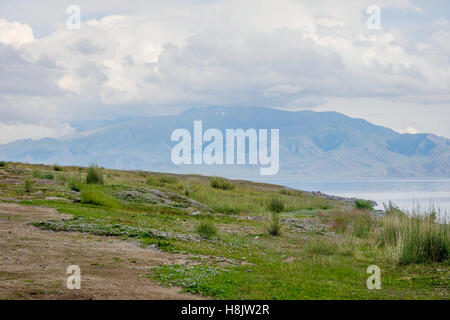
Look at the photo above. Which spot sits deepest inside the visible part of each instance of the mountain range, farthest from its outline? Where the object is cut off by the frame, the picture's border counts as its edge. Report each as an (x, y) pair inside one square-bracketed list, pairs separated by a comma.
[(312, 145)]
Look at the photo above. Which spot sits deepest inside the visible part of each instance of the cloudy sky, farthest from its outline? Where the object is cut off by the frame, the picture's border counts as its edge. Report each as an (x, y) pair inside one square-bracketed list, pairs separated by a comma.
[(142, 58)]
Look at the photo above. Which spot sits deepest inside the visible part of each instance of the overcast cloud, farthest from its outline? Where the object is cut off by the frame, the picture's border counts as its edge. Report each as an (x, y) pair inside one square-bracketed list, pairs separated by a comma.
[(162, 57)]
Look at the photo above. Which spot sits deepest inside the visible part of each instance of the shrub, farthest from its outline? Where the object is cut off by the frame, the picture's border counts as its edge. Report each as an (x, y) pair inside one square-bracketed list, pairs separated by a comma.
[(273, 226), (363, 204), (276, 205), (94, 194), (207, 229), (75, 183), (94, 175), (28, 187), (3, 164), (221, 183), (57, 168), (414, 239)]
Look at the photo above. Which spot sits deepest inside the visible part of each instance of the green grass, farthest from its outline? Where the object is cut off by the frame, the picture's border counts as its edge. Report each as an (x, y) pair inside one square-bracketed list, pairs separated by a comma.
[(414, 238), (94, 175), (273, 226), (43, 175), (207, 230), (93, 194), (75, 183), (221, 183), (245, 262)]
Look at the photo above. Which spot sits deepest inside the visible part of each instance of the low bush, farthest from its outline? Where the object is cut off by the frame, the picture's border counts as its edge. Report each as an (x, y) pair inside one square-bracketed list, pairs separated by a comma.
[(363, 204), (3, 164), (57, 168)]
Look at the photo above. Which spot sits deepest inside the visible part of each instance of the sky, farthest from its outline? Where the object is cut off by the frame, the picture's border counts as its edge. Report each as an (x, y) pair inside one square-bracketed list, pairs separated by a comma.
[(146, 58)]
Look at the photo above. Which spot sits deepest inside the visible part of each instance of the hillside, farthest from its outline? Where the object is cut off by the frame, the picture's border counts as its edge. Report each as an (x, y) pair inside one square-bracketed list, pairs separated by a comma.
[(146, 235), (312, 144)]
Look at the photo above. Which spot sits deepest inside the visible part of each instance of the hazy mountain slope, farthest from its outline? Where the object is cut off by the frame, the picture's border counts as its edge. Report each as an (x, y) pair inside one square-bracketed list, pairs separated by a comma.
[(312, 144)]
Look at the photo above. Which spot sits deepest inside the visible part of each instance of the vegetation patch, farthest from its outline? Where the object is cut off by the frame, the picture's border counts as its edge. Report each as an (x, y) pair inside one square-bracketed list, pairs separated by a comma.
[(221, 183)]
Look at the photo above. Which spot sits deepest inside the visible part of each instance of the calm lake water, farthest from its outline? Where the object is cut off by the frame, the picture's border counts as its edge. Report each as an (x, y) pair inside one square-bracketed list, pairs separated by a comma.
[(405, 193)]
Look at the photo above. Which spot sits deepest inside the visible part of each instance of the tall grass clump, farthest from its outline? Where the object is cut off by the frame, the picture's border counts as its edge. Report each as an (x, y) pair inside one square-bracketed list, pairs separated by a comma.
[(221, 183), (94, 194), (416, 237), (94, 175), (75, 183), (207, 229), (276, 205), (273, 225), (363, 204), (28, 187)]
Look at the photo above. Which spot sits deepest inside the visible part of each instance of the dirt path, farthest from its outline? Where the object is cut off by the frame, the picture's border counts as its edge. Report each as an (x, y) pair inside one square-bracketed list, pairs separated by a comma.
[(33, 262)]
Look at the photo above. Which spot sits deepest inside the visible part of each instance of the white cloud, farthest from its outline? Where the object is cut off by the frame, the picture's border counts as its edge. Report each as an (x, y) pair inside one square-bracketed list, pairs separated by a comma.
[(15, 33), (163, 56)]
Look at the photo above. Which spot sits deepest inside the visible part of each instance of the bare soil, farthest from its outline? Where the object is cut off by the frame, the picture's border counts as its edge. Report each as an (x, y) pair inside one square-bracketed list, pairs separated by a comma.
[(33, 262)]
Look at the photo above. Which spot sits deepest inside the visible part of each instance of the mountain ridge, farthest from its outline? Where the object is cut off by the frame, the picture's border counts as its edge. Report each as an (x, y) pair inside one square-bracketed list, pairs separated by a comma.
[(312, 144)]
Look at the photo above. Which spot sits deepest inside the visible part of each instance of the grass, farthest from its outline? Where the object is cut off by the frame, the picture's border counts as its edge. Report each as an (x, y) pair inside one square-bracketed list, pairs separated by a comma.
[(75, 183), (414, 238), (276, 205), (57, 168), (93, 194), (28, 187), (94, 175), (221, 183), (273, 225), (207, 230), (43, 175), (245, 262)]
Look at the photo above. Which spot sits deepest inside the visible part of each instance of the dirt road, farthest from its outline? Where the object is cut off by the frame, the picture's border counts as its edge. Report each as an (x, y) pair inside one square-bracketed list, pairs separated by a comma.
[(33, 262)]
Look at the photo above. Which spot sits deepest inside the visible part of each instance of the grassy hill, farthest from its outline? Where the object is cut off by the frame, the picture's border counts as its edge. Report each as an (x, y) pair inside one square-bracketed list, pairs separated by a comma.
[(243, 240)]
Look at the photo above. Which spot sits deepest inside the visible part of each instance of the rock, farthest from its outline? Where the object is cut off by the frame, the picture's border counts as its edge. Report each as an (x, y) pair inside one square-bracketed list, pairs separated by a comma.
[(195, 213)]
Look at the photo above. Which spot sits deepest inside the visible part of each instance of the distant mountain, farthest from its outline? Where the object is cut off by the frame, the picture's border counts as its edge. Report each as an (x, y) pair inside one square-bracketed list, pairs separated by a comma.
[(312, 145)]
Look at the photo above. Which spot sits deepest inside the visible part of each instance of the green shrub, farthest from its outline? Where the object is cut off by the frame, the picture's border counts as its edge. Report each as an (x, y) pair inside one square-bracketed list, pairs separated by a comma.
[(75, 183), (28, 187), (273, 225), (363, 204), (94, 175), (94, 194), (276, 205), (43, 175), (207, 229), (3, 164), (221, 183)]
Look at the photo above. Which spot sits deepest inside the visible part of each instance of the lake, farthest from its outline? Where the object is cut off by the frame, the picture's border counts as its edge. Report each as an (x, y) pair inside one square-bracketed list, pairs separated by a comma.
[(405, 193)]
